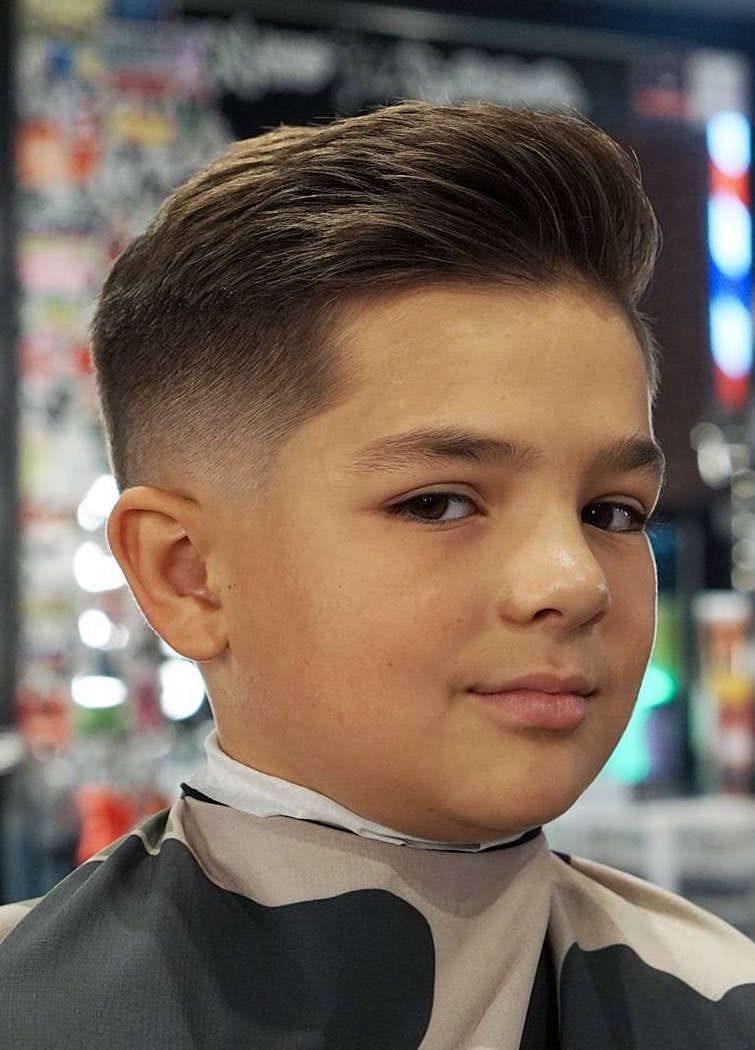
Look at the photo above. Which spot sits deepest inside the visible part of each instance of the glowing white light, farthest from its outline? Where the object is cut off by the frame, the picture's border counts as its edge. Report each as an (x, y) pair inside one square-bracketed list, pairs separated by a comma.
[(181, 689), (98, 631), (95, 628), (714, 464), (95, 507), (728, 136), (729, 234), (98, 691), (96, 571), (103, 494), (731, 336), (87, 518)]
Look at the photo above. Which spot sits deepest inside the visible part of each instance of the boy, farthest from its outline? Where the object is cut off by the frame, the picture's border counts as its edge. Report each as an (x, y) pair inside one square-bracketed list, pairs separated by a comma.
[(378, 401)]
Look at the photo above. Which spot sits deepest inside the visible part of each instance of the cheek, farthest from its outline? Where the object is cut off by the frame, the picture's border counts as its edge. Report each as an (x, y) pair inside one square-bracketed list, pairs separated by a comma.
[(634, 591), (629, 628), (380, 630), (334, 610)]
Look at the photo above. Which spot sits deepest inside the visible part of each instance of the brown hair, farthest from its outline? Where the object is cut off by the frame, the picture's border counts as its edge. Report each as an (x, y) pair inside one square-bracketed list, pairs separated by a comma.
[(210, 338)]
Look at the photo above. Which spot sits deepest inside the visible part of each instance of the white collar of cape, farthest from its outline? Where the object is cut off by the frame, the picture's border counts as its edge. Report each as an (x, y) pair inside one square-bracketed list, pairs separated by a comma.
[(225, 780)]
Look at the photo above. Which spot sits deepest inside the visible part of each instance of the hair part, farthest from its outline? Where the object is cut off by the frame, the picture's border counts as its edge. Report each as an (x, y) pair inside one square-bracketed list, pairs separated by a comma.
[(211, 337)]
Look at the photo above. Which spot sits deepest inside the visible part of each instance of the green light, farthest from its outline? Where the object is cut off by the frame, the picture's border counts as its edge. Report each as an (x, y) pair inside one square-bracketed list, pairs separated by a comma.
[(630, 762), (659, 686)]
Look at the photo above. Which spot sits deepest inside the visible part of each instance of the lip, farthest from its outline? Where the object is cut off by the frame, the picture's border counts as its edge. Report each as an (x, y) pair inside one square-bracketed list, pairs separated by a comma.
[(537, 710), (541, 682)]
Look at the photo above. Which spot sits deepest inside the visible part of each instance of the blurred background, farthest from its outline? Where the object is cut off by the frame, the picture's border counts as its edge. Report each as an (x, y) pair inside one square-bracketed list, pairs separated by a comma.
[(106, 106)]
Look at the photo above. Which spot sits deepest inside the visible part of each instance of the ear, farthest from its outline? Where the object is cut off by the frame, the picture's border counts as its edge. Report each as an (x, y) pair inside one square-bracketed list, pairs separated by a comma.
[(157, 539)]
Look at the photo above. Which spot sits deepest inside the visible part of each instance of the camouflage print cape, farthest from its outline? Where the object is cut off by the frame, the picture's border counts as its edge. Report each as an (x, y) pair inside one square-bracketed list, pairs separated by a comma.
[(208, 928)]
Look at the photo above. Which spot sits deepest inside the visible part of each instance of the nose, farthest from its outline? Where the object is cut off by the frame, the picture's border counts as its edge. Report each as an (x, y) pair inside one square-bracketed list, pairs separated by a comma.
[(551, 573)]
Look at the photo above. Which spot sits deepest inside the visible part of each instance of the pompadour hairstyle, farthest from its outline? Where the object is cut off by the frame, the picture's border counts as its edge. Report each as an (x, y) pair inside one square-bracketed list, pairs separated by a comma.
[(213, 335)]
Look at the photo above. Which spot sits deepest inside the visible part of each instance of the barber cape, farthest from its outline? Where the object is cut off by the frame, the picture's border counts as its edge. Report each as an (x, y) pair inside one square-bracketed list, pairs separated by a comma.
[(264, 916)]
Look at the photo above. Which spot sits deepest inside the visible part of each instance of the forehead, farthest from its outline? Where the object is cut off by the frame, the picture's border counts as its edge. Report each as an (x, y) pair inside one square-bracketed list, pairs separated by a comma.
[(557, 372), (493, 351), (455, 324)]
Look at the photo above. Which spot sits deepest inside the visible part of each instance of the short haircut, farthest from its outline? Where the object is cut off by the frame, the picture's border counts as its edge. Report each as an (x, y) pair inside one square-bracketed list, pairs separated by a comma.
[(212, 338)]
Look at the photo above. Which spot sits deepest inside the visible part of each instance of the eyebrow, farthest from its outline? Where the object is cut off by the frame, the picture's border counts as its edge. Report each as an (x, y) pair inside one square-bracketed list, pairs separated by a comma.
[(430, 446)]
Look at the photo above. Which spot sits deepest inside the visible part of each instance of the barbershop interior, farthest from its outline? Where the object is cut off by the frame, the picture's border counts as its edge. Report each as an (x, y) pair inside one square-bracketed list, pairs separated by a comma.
[(105, 107)]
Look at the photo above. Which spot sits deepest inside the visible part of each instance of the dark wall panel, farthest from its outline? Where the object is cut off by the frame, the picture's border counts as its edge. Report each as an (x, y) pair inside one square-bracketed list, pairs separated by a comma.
[(674, 166)]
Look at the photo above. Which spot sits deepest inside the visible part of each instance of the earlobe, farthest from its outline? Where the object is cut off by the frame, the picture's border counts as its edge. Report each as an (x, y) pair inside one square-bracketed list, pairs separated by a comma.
[(157, 539)]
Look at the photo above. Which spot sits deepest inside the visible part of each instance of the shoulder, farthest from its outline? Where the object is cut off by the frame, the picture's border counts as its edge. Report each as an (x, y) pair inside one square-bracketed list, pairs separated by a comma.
[(12, 914), (96, 929), (624, 947), (605, 903), (622, 894), (23, 922)]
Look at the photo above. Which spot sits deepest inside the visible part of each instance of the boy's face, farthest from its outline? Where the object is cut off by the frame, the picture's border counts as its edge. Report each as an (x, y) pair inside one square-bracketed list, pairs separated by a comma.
[(356, 635)]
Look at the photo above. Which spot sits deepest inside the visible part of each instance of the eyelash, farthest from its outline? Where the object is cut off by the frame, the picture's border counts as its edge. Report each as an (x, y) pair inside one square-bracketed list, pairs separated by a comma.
[(400, 510)]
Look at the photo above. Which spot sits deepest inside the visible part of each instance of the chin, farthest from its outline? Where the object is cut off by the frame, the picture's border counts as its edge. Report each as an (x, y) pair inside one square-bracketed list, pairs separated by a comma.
[(529, 813), (545, 814)]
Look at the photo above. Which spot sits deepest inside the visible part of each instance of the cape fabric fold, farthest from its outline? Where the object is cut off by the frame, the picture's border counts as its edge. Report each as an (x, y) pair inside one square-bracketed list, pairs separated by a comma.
[(209, 928)]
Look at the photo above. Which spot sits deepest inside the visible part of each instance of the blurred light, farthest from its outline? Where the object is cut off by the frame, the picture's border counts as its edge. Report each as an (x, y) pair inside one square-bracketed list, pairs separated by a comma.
[(739, 455), (729, 234), (705, 433), (720, 607), (87, 519), (12, 750), (98, 631), (728, 138), (743, 579), (98, 691), (659, 686), (99, 501), (743, 485), (96, 571), (742, 524), (714, 464), (630, 762), (182, 689), (731, 335), (729, 258), (744, 551)]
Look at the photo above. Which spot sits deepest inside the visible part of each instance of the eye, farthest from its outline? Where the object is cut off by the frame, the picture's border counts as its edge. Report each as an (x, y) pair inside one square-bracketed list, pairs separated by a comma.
[(433, 503), (431, 508), (626, 517)]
